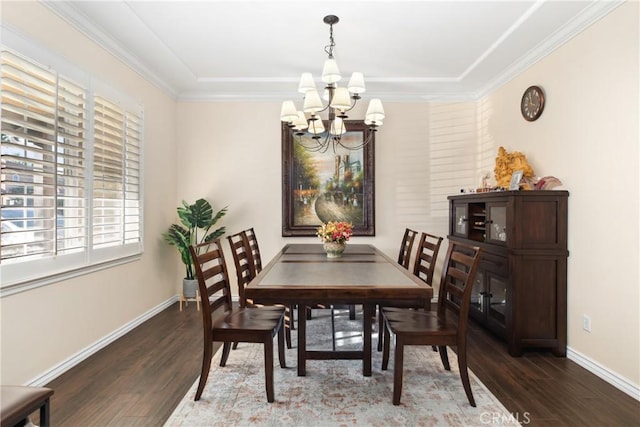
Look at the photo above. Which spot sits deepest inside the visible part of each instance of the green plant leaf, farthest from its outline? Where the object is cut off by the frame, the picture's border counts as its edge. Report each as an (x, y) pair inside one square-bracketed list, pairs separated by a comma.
[(195, 217)]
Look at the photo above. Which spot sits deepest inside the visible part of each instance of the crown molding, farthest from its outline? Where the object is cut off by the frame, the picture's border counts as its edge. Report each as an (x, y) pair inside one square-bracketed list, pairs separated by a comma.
[(587, 17), (80, 22)]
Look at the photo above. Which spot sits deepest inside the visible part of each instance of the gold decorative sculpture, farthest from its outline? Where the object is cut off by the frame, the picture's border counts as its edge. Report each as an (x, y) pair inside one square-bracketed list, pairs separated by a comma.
[(507, 163)]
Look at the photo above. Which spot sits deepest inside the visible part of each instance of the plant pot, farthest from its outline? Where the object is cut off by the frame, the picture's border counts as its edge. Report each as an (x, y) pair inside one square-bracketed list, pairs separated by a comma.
[(334, 249), (189, 288)]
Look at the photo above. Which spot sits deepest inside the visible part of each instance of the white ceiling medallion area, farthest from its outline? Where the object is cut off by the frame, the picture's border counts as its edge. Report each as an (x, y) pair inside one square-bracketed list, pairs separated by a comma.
[(411, 51)]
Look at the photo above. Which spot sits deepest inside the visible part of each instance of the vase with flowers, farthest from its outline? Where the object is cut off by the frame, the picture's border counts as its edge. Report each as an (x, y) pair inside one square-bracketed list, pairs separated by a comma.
[(334, 236)]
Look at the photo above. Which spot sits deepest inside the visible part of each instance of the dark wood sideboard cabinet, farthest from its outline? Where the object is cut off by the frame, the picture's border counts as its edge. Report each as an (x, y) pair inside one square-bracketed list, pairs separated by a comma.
[(520, 290)]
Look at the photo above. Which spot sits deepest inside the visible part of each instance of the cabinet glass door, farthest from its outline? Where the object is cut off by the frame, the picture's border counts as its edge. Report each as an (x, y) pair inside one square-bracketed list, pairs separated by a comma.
[(497, 222), (497, 297), (477, 293), (460, 220)]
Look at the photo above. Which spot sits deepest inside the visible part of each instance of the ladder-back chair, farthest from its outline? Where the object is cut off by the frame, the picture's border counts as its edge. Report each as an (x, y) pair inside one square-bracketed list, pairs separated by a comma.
[(446, 327), (222, 323)]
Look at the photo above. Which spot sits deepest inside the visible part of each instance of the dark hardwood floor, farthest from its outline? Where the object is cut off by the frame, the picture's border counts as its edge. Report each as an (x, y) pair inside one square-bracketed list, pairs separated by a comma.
[(140, 378)]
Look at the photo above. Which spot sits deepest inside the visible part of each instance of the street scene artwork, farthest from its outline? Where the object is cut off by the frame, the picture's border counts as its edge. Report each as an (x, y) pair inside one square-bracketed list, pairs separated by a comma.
[(328, 185)]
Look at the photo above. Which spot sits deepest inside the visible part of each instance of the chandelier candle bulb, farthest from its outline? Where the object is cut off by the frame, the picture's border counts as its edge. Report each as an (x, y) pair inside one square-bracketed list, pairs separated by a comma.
[(356, 83), (300, 122), (337, 127), (288, 112), (316, 127), (312, 102), (341, 99), (375, 112), (306, 83), (330, 71)]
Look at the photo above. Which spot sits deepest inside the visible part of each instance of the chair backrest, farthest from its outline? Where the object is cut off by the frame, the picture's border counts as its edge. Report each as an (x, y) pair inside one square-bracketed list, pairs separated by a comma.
[(213, 280), (426, 257), (255, 249), (458, 275), (243, 261), (404, 256)]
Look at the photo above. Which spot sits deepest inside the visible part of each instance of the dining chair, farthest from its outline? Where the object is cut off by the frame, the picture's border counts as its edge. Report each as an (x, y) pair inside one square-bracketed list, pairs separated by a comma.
[(257, 264), (255, 249), (404, 257), (223, 323), (245, 272), (423, 268), (446, 327)]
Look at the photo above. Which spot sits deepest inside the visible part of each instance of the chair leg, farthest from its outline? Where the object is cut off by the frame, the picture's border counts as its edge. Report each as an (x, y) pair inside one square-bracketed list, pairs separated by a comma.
[(397, 370), (333, 329), (444, 356), (281, 339), (464, 374), (206, 366), (226, 347), (287, 331), (380, 327), (292, 319), (268, 367), (387, 344)]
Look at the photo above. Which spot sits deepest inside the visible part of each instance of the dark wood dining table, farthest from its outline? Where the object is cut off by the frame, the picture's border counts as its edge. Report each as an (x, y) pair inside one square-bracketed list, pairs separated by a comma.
[(302, 275)]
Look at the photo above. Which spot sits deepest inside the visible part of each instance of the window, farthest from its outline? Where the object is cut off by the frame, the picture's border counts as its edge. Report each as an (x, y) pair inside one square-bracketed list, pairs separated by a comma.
[(71, 173)]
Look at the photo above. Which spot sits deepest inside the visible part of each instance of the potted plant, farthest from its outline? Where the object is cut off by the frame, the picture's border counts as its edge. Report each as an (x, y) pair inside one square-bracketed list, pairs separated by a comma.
[(197, 219)]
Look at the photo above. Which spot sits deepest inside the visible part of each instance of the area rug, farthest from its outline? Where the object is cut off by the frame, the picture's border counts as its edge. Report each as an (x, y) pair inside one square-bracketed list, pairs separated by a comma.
[(334, 392)]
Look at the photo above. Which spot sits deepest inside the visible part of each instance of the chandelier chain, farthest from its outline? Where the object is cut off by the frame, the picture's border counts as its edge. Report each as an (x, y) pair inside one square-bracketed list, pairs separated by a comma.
[(329, 48)]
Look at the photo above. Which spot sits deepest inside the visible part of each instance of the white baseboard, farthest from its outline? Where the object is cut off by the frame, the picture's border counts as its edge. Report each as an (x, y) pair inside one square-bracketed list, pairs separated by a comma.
[(72, 361), (609, 376)]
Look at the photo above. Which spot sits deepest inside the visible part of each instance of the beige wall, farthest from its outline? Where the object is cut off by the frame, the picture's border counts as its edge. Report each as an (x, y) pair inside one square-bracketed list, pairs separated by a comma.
[(42, 328), (240, 166), (230, 154), (588, 137)]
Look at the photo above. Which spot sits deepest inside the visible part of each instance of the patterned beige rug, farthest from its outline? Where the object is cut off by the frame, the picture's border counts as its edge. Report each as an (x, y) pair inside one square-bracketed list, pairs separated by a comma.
[(334, 392)]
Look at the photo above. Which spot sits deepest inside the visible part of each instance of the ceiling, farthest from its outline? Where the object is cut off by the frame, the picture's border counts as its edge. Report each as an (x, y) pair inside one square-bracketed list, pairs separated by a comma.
[(409, 51)]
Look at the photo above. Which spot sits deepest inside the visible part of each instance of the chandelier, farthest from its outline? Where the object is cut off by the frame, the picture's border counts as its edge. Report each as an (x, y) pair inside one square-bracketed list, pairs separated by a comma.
[(340, 100)]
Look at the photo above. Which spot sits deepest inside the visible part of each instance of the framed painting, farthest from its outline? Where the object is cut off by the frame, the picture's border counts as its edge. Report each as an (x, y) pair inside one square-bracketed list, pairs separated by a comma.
[(516, 177), (336, 184)]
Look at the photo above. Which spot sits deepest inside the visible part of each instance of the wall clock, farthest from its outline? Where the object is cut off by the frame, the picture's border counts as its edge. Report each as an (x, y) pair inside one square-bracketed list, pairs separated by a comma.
[(532, 103)]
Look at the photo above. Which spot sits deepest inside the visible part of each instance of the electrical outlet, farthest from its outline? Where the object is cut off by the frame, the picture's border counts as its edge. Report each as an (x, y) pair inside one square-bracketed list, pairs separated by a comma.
[(586, 323)]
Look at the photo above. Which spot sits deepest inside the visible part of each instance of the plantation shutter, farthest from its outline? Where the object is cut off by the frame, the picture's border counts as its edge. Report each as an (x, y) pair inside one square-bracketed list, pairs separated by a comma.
[(43, 126), (116, 175)]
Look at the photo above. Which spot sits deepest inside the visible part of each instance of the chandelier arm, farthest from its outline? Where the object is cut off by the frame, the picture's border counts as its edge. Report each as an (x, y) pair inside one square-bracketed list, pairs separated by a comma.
[(370, 137), (319, 147), (355, 101)]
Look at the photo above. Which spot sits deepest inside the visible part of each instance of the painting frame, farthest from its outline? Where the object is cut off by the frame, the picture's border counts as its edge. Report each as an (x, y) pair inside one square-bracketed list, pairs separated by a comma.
[(291, 189), (516, 177)]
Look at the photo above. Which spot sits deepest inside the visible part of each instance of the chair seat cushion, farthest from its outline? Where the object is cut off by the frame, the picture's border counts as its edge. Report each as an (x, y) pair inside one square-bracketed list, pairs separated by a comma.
[(20, 401)]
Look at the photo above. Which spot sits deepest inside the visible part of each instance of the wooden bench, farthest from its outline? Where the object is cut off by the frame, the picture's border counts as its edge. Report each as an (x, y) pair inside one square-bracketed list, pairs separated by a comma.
[(18, 402)]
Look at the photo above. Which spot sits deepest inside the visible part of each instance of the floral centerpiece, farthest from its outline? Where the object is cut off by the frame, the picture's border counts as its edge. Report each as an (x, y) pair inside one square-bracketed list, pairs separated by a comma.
[(334, 235)]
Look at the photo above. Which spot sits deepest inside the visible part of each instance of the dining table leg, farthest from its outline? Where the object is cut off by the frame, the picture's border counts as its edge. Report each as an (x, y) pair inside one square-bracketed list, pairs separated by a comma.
[(367, 319), (302, 340)]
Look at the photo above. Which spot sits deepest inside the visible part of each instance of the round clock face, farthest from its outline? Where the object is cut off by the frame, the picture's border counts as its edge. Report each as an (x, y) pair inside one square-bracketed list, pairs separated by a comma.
[(532, 103)]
